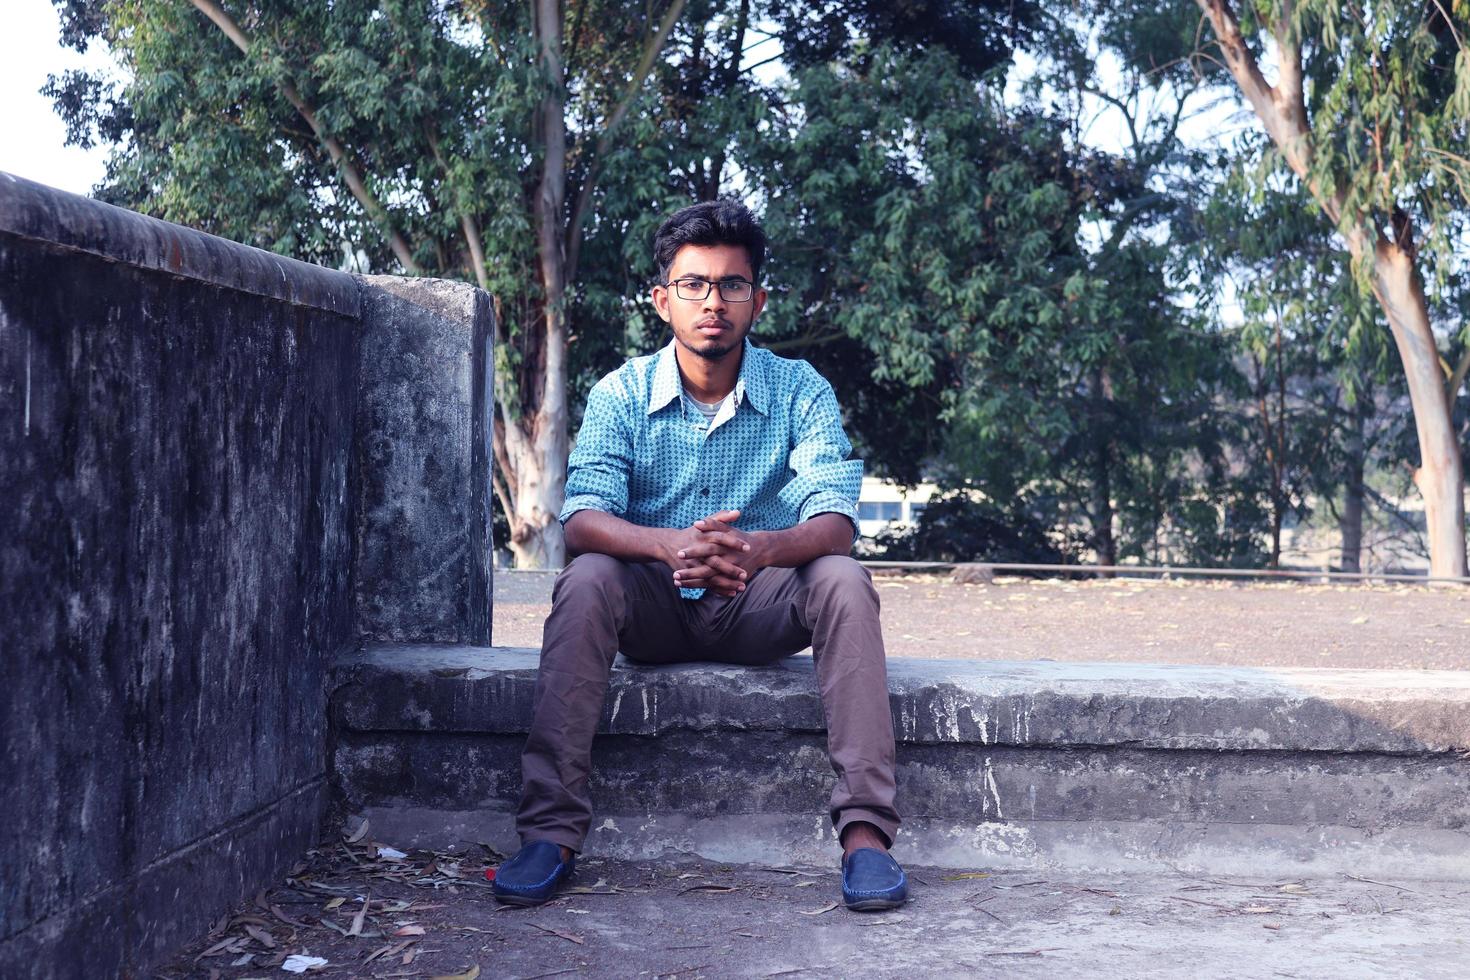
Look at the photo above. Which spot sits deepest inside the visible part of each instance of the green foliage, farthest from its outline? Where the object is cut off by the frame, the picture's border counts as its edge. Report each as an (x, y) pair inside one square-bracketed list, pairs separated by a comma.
[(956, 527), (1389, 102), (978, 35), (999, 307)]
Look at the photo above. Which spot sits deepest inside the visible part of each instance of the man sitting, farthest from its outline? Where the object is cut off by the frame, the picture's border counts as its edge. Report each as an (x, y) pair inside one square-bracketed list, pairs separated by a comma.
[(666, 576)]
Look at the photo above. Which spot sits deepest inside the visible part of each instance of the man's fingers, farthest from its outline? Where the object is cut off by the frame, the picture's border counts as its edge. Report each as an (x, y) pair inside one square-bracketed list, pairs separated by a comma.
[(706, 577), (718, 565), (726, 567), (714, 544), (720, 520)]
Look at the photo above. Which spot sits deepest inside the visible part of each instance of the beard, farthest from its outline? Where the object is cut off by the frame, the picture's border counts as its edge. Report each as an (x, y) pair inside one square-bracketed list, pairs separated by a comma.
[(715, 348)]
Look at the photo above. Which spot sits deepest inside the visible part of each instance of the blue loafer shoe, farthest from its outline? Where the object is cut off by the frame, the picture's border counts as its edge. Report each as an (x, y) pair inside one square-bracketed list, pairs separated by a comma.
[(534, 874), (872, 880)]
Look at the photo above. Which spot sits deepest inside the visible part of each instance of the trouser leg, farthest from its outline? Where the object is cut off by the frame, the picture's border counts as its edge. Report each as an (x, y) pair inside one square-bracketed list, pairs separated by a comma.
[(831, 604), (598, 604)]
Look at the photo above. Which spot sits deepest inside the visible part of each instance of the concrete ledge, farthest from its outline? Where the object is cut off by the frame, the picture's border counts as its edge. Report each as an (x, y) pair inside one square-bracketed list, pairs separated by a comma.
[(34, 211), (407, 688), (1096, 766)]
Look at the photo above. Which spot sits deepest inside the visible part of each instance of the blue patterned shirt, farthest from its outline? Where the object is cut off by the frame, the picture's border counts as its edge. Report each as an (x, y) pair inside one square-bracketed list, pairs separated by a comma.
[(775, 451)]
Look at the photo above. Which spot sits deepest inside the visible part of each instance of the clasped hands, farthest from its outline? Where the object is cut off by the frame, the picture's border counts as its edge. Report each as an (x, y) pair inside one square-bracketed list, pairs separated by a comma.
[(714, 555)]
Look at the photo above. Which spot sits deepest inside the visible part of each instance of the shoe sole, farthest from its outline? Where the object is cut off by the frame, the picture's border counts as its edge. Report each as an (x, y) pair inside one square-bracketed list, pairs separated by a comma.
[(521, 900), (875, 904)]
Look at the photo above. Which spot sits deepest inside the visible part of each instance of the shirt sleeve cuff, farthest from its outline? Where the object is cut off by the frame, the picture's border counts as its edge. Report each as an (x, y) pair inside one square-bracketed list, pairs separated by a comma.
[(831, 503), (586, 501)]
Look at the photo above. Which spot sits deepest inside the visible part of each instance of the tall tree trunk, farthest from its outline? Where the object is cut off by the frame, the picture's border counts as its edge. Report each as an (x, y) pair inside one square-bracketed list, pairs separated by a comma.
[(1102, 482), (1102, 510), (1350, 520), (1439, 477), (537, 443), (1396, 283), (533, 449)]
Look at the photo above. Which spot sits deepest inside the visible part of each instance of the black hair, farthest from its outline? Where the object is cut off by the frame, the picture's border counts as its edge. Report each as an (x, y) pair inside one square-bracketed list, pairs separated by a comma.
[(722, 222)]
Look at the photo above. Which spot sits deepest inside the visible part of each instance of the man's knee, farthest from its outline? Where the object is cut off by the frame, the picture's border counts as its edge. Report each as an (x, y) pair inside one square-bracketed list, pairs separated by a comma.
[(840, 579), (589, 577)]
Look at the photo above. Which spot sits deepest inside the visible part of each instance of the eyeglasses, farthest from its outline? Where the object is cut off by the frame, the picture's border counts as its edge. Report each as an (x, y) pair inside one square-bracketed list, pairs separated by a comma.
[(694, 288)]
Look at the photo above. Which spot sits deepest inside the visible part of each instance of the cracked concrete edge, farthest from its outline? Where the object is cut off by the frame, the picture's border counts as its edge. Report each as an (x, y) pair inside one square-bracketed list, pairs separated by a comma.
[(449, 688)]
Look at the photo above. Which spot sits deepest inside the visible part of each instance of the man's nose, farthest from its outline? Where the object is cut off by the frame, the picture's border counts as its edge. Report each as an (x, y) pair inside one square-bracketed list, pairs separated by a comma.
[(715, 301)]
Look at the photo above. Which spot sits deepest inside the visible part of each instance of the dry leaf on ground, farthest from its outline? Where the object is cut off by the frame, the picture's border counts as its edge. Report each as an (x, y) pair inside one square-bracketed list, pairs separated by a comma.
[(357, 920), (469, 974)]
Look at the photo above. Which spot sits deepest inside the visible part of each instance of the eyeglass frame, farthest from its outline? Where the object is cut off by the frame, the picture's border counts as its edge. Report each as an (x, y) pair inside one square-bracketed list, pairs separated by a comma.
[(710, 284)]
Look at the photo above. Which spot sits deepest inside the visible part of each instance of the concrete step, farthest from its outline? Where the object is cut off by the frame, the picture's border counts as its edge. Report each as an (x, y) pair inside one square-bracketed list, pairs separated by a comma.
[(1118, 767)]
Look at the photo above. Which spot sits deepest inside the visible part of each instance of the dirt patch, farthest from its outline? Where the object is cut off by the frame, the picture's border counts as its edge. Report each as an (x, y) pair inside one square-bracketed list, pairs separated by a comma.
[(1132, 620)]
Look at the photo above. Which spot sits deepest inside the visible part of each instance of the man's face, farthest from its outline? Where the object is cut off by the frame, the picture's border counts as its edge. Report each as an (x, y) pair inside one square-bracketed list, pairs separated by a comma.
[(714, 326)]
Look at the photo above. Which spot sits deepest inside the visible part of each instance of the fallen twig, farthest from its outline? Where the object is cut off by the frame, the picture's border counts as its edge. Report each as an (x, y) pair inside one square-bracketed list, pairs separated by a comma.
[(1196, 901), (570, 937), (1385, 884)]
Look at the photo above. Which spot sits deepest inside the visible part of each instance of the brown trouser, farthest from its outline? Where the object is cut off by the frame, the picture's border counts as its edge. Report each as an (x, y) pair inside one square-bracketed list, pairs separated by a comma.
[(601, 605)]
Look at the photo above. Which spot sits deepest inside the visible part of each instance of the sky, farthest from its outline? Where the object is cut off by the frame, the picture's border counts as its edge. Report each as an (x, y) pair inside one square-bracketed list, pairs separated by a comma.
[(34, 145)]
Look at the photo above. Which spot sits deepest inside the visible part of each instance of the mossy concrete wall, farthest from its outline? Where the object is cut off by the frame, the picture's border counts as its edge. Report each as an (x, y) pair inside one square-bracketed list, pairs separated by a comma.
[(197, 462)]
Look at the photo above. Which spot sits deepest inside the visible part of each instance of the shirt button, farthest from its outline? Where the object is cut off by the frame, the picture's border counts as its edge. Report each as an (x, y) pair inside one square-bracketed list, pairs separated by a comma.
[(704, 492)]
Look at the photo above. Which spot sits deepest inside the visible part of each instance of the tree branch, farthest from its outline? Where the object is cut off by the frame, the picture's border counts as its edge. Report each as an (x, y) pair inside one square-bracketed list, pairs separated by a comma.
[(801, 343), (503, 496), (1457, 378), (338, 152), (1280, 111), (651, 51), (502, 470), (467, 222)]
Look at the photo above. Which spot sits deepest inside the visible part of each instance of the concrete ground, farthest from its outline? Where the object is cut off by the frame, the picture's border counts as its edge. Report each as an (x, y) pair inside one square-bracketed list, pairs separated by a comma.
[(368, 913), (1179, 621)]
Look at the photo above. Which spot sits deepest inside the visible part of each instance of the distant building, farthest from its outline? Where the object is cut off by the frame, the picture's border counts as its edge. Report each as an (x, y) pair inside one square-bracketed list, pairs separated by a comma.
[(883, 504)]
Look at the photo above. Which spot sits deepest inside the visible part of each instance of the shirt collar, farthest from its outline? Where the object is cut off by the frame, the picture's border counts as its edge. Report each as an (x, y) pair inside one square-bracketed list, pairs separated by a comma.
[(751, 384)]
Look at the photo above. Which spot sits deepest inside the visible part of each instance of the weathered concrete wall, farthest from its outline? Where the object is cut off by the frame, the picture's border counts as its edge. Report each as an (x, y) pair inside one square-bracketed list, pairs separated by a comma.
[(182, 456), (424, 564), (1101, 766)]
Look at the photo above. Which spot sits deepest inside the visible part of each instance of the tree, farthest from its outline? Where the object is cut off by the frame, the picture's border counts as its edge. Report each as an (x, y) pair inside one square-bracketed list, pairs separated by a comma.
[(466, 139), (1369, 111), (938, 262), (1317, 352)]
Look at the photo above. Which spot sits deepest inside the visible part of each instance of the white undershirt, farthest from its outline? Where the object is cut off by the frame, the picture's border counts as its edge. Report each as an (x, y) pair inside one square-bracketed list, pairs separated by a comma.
[(708, 410)]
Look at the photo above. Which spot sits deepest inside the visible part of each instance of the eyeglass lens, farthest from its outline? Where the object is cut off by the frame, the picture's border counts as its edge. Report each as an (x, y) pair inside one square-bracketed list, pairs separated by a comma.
[(731, 290)]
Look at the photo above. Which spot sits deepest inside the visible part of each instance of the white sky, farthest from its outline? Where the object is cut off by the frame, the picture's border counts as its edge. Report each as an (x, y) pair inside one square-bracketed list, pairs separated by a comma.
[(34, 143)]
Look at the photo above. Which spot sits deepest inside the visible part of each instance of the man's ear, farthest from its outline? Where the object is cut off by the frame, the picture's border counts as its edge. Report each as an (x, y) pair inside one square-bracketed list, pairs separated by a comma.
[(661, 302), (759, 299)]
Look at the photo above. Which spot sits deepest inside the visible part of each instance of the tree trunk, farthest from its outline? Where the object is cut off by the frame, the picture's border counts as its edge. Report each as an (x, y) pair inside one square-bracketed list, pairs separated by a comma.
[(1102, 513), (1350, 521), (536, 446), (532, 450), (539, 481), (1102, 483), (1438, 477)]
